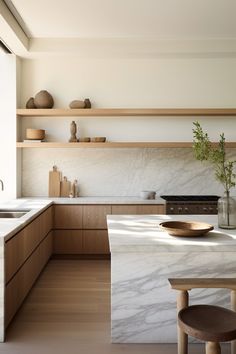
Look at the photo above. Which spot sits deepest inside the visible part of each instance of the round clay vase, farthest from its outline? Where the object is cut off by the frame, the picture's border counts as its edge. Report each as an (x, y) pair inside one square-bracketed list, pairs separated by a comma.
[(30, 103), (43, 99)]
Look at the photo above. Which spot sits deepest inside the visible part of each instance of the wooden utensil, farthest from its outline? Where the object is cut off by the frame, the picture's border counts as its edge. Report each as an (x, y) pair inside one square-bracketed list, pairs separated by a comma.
[(54, 182), (65, 187)]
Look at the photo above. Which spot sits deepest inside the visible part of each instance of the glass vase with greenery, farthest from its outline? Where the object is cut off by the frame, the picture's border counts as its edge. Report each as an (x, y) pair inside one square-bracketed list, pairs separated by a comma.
[(204, 150)]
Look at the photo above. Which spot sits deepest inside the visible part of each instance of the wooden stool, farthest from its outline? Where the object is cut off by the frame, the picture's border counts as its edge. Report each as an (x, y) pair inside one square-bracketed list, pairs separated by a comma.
[(212, 324)]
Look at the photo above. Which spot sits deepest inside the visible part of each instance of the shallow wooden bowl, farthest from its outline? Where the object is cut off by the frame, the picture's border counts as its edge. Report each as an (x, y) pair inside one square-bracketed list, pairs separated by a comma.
[(98, 139), (185, 228), (35, 134), (84, 140)]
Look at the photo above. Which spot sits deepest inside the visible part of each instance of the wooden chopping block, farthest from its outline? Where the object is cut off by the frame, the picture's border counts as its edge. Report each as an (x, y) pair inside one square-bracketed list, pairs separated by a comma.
[(54, 183), (65, 187)]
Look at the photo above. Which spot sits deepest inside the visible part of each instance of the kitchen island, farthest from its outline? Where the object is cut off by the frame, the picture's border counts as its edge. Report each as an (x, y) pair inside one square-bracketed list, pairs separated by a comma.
[(143, 257)]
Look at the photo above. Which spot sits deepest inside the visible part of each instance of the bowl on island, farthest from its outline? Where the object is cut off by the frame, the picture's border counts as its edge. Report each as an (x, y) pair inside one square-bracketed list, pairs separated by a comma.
[(186, 228)]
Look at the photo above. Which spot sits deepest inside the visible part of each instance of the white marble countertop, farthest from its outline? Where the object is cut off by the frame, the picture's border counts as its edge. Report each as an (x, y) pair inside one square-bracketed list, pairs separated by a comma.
[(141, 233), (102, 200), (8, 227)]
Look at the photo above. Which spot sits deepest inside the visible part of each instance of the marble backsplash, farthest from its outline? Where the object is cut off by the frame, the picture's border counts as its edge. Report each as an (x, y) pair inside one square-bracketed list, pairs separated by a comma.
[(120, 172)]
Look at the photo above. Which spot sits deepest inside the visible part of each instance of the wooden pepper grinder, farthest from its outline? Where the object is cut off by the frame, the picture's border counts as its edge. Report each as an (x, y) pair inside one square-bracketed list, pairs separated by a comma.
[(73, 131)]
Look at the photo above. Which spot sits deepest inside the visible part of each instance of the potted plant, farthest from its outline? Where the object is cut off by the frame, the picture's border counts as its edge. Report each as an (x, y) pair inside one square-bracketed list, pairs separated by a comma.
[(224, 173)]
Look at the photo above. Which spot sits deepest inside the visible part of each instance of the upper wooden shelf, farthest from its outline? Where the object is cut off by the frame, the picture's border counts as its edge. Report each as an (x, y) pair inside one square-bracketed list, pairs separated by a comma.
[(134, 112)]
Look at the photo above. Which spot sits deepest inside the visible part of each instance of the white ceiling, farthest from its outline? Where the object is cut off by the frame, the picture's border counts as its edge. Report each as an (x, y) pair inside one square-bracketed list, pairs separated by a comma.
[(166, 19)]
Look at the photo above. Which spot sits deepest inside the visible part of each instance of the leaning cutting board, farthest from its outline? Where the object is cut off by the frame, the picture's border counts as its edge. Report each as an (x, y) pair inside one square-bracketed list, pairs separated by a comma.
[(54, 183), (65, 187)]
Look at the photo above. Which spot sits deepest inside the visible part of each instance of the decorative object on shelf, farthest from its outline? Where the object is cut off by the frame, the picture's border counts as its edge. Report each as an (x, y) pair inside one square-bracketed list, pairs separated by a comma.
[(147, 194), (54, 183), (77, 104), (65, 188), (84, 140), (30, 103), (74, 189), (185, 228), (87, 103), (35, 134), (73, 131), (98, 139), (43, 99), (224, 173)]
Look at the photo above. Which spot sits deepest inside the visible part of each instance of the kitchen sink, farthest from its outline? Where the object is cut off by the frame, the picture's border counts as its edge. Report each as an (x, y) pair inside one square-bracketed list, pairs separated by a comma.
[(12, 214)]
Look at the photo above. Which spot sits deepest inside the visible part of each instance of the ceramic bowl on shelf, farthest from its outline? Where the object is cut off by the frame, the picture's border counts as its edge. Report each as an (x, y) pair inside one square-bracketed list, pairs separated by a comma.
[(35, 134), (98, 139), (186, 228)]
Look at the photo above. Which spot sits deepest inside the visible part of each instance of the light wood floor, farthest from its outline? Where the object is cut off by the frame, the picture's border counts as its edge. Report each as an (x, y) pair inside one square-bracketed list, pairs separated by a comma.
[(68, 312)]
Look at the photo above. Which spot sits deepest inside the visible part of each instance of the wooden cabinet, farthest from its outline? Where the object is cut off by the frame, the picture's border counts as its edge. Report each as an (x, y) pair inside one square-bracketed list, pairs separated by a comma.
[(26, 253), (68, 216), (82, 229), (17, 289), (138, 209), (95, 242), (68, 242), (95, 216), (21, 245)]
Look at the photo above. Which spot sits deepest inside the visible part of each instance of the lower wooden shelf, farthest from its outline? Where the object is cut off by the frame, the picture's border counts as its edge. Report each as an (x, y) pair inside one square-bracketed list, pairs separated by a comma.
[(177, 144)]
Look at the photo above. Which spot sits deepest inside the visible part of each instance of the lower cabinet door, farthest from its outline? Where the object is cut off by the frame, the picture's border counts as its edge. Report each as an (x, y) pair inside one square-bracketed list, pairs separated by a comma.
[(68, 242), (95, 242), (19, 286)]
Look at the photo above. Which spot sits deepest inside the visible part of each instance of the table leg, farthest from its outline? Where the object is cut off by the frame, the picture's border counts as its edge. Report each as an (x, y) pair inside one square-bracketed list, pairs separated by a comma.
[(182, 302)]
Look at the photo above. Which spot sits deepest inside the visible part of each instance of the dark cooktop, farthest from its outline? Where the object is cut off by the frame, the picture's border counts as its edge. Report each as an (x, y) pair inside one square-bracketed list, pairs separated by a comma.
[(190, 198)]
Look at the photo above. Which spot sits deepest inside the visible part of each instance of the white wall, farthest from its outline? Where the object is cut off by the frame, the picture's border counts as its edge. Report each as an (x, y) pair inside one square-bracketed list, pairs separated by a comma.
[(187, 81), (8, 125)]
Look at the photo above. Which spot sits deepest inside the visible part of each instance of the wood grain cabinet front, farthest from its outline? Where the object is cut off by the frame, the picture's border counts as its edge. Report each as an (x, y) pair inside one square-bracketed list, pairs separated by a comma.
[(68, 216), (95, 216), (21, 245), (68, 242), (95, 242), (21, 283), (138, 209)]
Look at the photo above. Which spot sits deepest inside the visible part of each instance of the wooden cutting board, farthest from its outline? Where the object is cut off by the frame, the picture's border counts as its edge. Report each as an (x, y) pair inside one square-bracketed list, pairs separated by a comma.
[(65, 187), (54, 183)]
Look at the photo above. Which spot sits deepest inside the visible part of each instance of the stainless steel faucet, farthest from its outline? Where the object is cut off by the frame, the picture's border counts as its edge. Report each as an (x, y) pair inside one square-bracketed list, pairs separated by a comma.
[(1, 182)]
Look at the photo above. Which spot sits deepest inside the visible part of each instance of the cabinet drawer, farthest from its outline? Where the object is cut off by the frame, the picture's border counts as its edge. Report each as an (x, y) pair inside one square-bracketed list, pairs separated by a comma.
[(68, 216), (137, 209), (94, 216), (67, 241), (95, 242)]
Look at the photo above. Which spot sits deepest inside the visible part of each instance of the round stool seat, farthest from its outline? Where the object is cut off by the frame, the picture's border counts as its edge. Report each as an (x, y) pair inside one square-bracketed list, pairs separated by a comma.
[(208, 323)]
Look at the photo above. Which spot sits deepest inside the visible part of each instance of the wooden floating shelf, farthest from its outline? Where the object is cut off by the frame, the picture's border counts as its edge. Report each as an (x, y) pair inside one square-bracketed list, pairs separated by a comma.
[(129, 112), (114, 145)]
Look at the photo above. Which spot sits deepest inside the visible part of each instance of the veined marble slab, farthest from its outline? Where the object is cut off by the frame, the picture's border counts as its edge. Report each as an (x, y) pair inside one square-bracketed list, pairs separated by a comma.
[(143, 306)]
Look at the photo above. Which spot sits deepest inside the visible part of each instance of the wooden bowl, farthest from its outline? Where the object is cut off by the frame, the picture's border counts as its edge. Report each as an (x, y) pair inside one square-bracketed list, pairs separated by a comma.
[(84, 140), (185, 228), (98, 139), (35, 134)]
